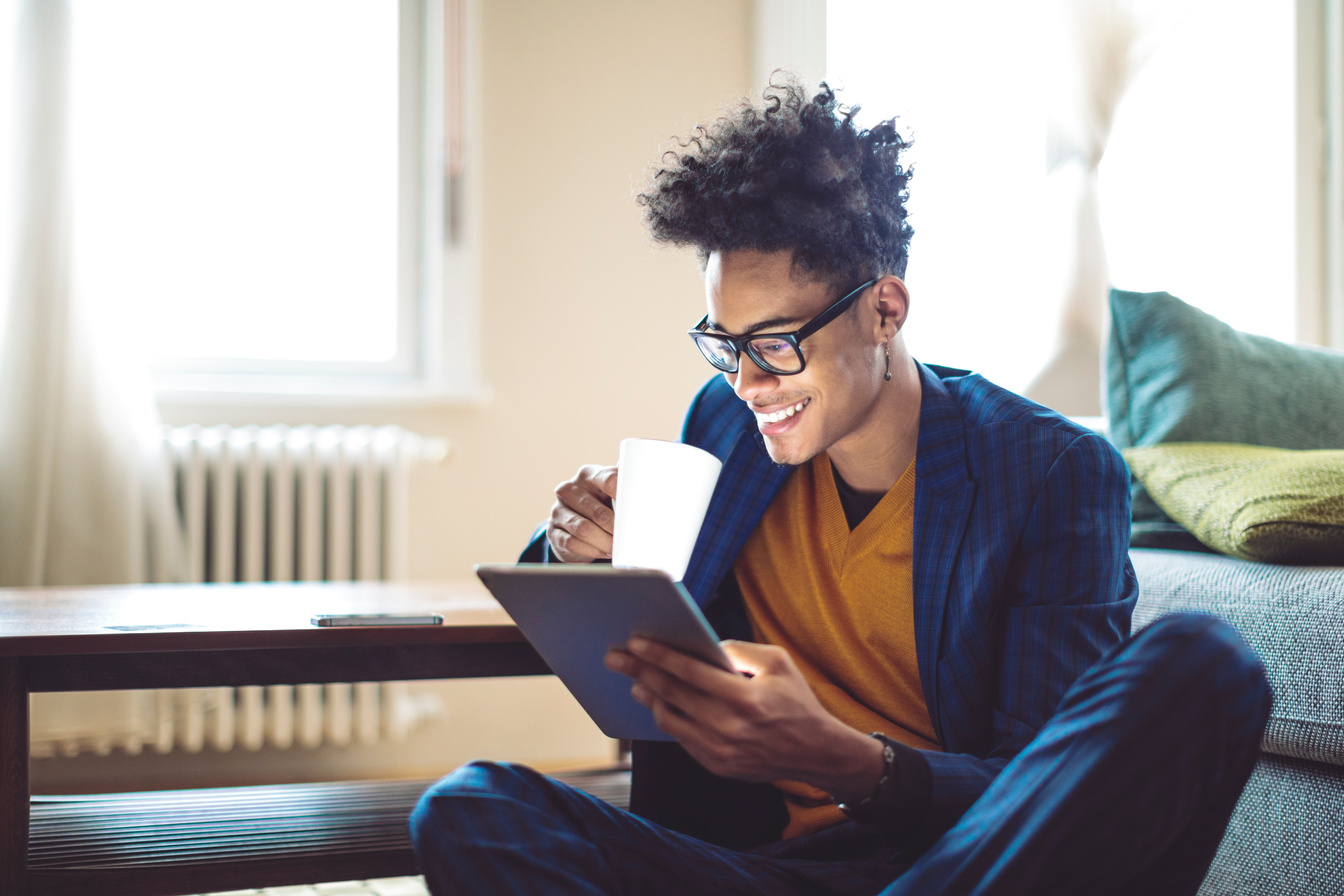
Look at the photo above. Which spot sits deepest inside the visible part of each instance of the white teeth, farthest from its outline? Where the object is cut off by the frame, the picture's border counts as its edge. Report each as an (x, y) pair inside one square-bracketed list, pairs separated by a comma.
[(777, 416)]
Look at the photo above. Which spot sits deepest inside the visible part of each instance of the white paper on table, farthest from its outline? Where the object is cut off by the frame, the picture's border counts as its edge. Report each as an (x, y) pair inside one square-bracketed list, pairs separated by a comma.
[(663, 490)]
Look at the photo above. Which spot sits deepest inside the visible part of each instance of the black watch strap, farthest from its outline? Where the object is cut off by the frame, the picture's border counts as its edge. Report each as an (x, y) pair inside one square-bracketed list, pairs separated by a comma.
[(883, 803)]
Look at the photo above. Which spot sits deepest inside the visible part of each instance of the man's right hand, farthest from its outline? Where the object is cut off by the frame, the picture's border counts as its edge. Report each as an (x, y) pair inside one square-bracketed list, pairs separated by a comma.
[(582, 520)]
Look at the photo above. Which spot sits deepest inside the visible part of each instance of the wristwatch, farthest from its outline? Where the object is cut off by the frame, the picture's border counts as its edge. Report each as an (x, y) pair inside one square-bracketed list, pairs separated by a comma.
[(880, 805)]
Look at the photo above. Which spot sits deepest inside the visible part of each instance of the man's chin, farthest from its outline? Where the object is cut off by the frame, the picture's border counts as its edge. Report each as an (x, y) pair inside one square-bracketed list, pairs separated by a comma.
[(786, 451)]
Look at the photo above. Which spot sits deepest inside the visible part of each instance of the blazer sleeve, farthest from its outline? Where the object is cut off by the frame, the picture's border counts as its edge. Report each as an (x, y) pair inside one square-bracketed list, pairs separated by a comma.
[(538, 548), (1066, 599)]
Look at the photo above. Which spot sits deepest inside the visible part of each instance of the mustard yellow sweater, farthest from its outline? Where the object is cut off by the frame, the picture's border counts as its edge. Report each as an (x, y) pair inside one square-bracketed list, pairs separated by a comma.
[(842, 604)]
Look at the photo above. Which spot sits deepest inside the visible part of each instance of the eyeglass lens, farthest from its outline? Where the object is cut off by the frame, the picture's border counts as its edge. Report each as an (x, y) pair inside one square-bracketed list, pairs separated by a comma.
[(773, 354)]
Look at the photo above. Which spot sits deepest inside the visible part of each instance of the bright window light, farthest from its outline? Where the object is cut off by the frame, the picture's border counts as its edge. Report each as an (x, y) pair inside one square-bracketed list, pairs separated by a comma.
[(8, 112), (235, 172), (1196, 188), (1198, 183)]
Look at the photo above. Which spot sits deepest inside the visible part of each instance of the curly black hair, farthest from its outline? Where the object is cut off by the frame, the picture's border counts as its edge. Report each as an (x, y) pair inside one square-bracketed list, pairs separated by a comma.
[(795, 174)]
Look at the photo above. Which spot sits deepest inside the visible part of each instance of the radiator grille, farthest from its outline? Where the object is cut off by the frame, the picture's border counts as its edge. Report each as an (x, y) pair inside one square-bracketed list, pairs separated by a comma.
[(284, 504)]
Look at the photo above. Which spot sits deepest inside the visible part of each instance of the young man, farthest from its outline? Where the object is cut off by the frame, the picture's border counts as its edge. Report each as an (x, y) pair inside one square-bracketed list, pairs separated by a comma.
[(898, 549)]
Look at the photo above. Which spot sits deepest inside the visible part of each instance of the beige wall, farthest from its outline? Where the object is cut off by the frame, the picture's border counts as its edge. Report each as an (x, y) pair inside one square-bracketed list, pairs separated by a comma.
[(581, 322), (582, 317)]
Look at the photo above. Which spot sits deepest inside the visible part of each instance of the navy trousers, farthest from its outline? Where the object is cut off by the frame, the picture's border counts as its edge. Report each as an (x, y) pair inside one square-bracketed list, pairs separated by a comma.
[(1127, 790)]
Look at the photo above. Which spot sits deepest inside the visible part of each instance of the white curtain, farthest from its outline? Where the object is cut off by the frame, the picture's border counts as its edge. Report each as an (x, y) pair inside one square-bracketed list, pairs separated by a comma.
[(84, 483), (1099, 54)]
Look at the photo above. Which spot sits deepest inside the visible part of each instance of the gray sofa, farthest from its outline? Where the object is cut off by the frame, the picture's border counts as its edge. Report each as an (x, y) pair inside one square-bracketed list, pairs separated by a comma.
[(1286, 837)]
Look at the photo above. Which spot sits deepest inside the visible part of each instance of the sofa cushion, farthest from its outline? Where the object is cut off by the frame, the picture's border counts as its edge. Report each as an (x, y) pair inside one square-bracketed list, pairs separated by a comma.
[(1292, 616), (1274, 505), (1177, 374), (1283, 838)]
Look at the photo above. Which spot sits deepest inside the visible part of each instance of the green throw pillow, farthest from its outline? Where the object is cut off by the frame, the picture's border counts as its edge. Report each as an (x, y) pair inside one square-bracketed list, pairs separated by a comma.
[(1268, 504), (1176, 374)]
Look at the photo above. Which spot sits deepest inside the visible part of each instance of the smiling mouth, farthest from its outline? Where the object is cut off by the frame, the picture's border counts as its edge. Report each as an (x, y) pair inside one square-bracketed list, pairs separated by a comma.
[(783, 414)]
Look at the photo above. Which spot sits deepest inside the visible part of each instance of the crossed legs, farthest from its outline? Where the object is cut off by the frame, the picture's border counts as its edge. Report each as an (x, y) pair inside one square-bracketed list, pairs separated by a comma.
[(1129, 788), (1126, 790)]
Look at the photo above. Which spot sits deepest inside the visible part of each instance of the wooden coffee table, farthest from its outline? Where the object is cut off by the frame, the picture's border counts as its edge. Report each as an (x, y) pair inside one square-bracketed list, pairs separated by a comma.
[(158, 636)]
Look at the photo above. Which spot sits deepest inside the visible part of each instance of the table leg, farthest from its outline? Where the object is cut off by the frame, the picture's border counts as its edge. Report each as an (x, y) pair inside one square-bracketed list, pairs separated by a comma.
[(14, 795)]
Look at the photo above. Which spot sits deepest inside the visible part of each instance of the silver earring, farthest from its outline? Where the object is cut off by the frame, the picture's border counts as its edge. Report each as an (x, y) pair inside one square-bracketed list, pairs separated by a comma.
[(886, 349)]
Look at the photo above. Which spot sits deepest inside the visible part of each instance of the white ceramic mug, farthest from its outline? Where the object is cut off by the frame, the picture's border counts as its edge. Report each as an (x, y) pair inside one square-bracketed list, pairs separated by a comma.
[(662, 493)]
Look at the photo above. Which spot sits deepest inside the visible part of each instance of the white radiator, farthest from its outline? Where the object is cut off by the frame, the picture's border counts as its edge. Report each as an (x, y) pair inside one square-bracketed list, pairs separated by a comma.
[(296, 504), (278, 504)]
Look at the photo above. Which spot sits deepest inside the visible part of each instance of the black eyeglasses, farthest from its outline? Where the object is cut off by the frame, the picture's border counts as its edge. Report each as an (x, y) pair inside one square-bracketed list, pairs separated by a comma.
[(776, 353)]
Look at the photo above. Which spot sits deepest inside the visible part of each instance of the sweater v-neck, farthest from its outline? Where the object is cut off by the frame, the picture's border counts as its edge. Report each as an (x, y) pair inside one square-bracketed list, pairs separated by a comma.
[(842, 542)]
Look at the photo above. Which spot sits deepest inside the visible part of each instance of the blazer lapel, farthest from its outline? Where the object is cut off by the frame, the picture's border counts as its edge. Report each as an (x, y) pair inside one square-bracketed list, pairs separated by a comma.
[(943, 496), (747, 484)]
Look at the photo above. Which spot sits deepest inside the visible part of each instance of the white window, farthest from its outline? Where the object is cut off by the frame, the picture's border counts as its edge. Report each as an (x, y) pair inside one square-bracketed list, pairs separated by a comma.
[(264, 183), (1196, 190)]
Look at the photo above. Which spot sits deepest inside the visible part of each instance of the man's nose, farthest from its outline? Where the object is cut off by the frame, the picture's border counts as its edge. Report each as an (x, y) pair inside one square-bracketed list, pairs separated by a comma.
[(750, 380)]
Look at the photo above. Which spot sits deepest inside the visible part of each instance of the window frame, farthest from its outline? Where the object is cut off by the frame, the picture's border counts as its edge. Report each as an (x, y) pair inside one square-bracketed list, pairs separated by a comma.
[(1320, 172), (438, 335)]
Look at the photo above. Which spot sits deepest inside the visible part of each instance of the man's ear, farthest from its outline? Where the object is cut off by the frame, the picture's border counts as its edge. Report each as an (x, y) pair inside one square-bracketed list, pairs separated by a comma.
[(891, 300)]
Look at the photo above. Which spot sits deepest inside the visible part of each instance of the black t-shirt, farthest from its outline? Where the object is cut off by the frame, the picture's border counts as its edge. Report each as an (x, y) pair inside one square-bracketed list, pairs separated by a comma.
[(857, 505)]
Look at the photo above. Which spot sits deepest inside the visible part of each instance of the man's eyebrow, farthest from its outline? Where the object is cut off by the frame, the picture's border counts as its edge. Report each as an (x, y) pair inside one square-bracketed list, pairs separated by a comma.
[(774, 324)]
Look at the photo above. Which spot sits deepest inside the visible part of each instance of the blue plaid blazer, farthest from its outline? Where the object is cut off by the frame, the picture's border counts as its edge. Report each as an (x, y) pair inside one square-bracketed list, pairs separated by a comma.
[(1021, 576)]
